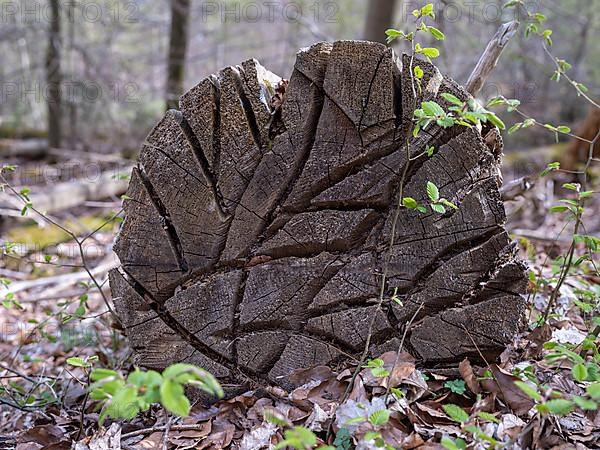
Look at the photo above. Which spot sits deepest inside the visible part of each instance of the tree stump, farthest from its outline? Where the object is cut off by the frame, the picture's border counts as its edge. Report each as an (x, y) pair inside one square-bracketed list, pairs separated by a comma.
[(257, 224)]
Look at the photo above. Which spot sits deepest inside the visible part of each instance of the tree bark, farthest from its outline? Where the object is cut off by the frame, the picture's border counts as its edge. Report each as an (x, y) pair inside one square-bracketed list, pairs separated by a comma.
[(54, 76), (380, 16), (257, 228), (178, 42)]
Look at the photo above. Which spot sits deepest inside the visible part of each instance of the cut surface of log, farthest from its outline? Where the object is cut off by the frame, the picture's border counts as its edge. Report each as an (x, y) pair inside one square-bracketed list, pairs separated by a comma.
[(256, 233)]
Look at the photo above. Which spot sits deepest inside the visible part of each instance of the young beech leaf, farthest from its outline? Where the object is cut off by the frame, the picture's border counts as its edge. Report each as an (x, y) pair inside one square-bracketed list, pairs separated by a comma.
[(487, 416), (456, 413), (410, 203), (418, 72), (430, 52), (379, 417), (585, 404), (380, 372), (438, 208), (559, 406), (78, 362), (173, 398), (580, 372), (456, 386), (432, 192), (452, 99), (495, 120), (593, 390), (431, 108), (449, 444), (436, 33)]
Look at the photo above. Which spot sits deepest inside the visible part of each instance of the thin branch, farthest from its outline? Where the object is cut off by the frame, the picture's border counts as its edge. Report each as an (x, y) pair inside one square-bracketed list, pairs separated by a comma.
[(489, 58)]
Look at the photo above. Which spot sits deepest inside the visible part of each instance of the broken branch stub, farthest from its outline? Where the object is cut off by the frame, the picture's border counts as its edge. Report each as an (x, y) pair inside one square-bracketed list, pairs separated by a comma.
[(254, 239)]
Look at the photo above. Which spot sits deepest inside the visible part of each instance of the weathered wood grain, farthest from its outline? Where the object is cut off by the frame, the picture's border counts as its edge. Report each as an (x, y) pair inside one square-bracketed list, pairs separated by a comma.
[(255, 233)]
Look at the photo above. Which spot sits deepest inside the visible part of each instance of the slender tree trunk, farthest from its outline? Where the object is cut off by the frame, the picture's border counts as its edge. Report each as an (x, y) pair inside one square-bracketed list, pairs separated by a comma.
[(54, 77), (180, 11), (380, 17)]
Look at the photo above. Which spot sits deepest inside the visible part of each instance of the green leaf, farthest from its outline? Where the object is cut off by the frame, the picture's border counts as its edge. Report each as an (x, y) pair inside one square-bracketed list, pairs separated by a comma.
[(432, 192), (457, 386), (516, 127), (430, 52), (563, 129), (431, 108), (530, 391), (495, 101), (427, 10), (123, 404), (410, 203), (418, 72), (585, 404), (394, 33), (551, 167), (430, 150), (495, 120), (437, 34), (572, 186), (445, 122), (579, 372), (452, 99), (380, 372), (173, 398), (456, 413), (376, 362), (298, 438), (449, 444), (558, 209), (78, 362), (342, 439), (438, 208), (380, 417), (101, 374), (559, 406), (593, 390), (487, 416), (512, 3)]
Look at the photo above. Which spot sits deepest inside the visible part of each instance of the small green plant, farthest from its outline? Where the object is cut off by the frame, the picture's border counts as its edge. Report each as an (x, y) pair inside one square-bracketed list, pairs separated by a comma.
[(377, 369), (437, 204), (457, 386), (124, 398)]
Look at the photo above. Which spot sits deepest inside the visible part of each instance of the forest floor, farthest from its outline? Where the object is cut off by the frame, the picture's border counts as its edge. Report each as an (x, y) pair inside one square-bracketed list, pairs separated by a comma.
[(53, 318)]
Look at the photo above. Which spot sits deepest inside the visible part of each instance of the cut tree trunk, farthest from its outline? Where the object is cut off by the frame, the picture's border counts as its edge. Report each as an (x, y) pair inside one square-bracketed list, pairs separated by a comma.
[(255, 237)]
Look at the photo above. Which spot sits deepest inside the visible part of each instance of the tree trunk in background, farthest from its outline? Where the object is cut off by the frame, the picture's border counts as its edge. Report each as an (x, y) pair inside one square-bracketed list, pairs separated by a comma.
[(180, 11), (380, 17), (54, 77)]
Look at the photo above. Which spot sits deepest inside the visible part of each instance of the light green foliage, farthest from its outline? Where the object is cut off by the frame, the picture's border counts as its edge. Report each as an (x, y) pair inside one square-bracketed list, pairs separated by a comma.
[(380, 417), (451, 444), (456, 413), (125, 397), (457, 386), (377, 369)]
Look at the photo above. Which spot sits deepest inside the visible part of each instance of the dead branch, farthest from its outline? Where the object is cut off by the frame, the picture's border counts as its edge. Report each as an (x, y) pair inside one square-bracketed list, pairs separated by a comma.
[(490, 56)]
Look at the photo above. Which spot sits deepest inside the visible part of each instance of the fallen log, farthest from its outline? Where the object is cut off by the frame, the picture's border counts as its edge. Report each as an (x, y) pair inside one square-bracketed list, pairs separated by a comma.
[(255, 238), (27, 148), (68, 194)]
